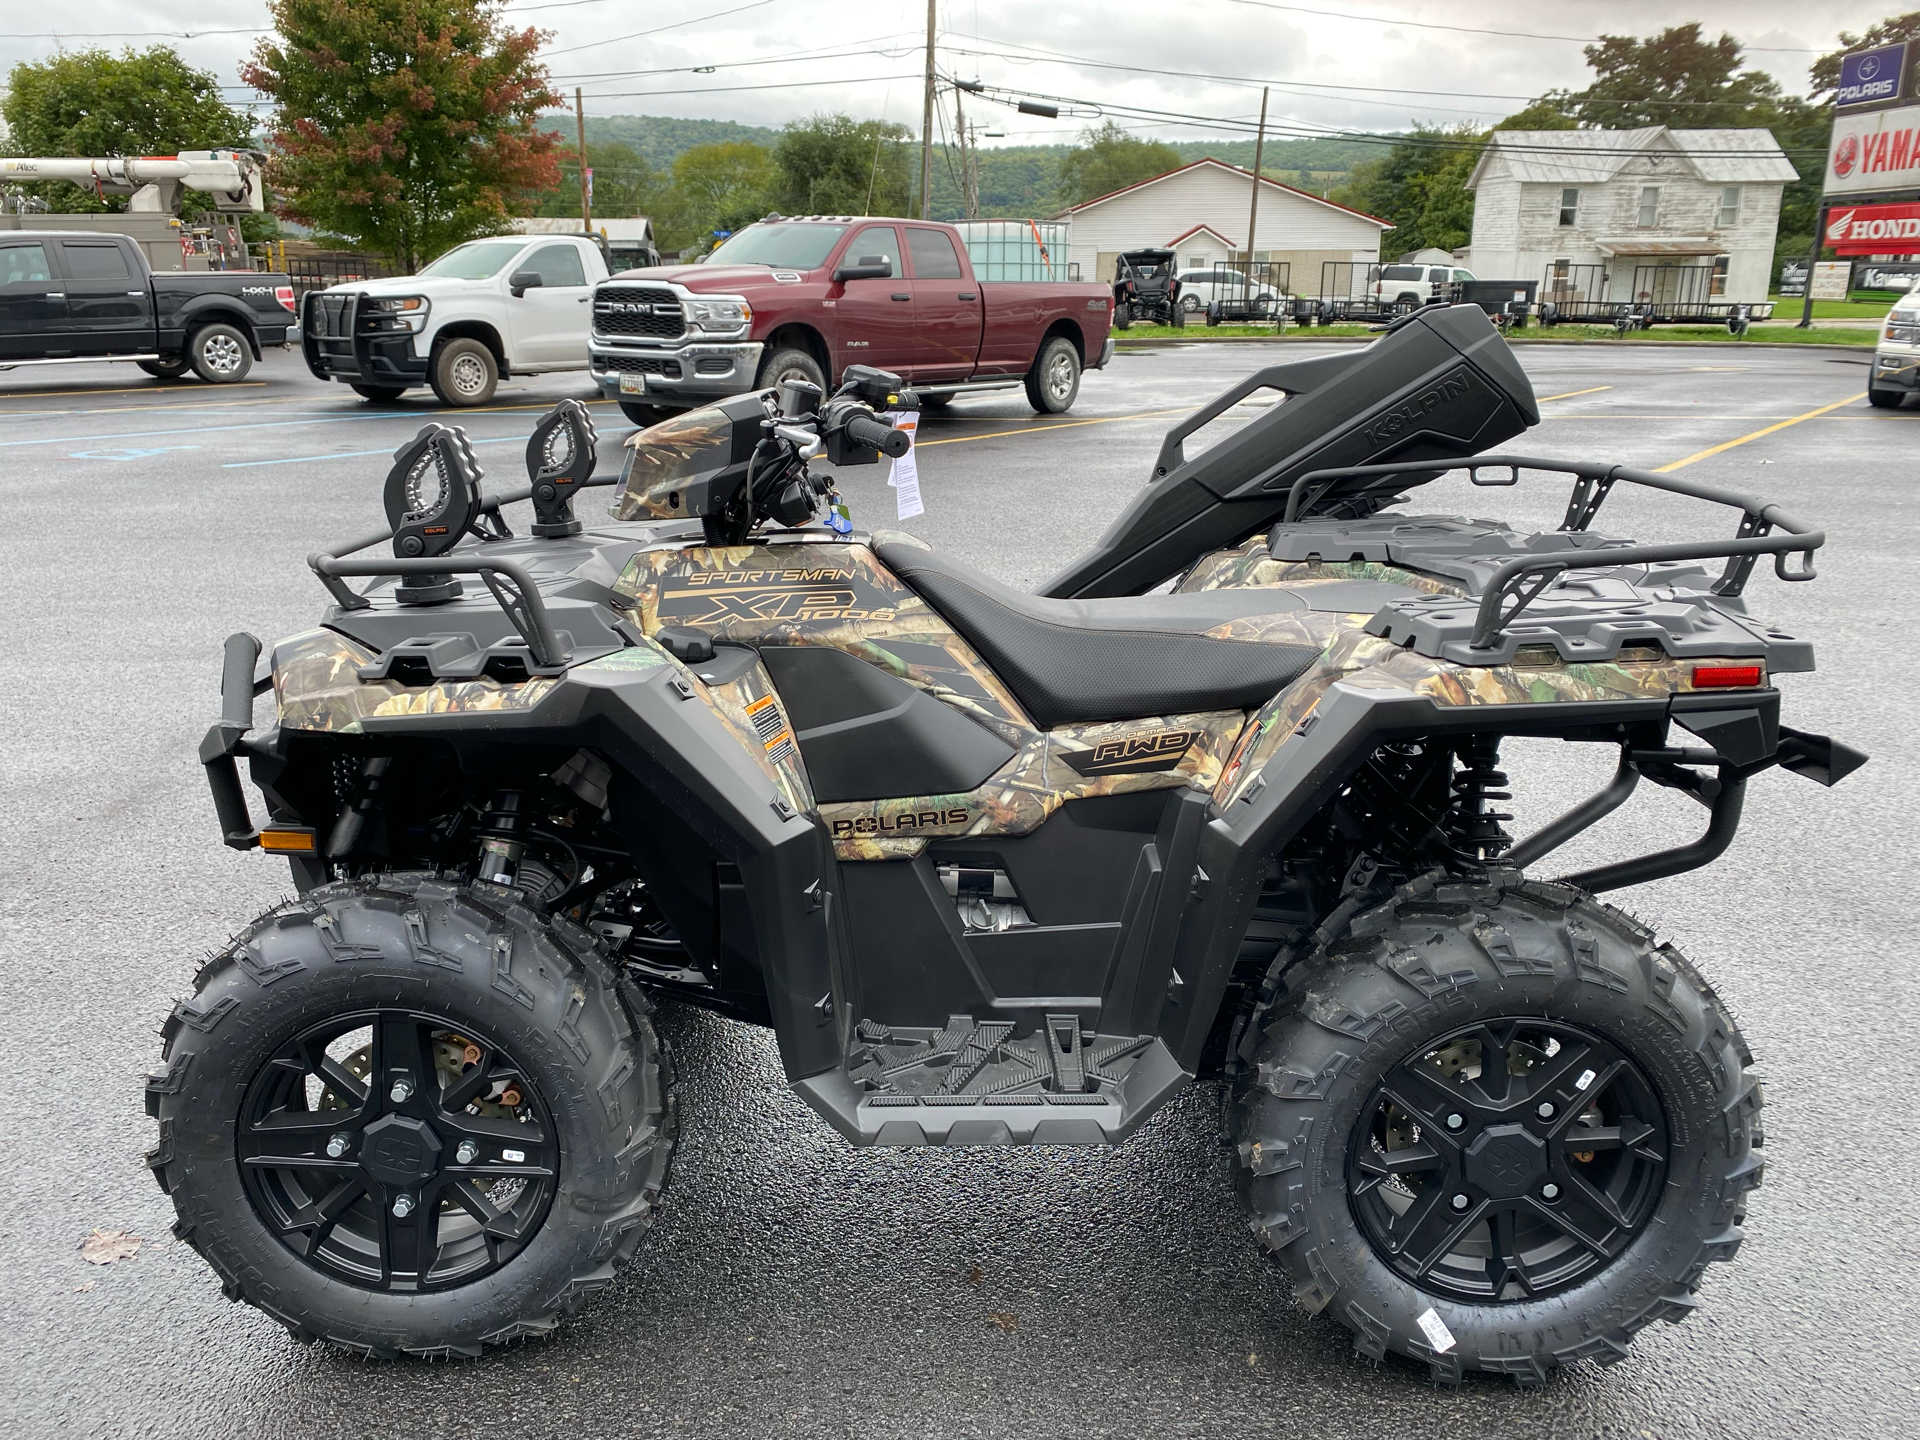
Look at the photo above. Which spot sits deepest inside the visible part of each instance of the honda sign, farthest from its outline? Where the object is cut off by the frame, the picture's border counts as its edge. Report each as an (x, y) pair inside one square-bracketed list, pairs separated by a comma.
[(1874, 229)]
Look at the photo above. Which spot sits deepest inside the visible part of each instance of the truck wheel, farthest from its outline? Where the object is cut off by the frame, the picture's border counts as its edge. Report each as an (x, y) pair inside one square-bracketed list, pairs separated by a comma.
[(1054, 380), (463, 372), (935, 404), (645, 416), (412, 1117), (1882, 398), (219, 354), (1502, 1133), (378, 392), (166, 369), (1190, 304), (789, 363)]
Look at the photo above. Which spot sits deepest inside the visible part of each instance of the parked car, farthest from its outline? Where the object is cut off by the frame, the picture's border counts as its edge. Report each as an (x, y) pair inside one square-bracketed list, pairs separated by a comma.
[(72, 296), (484, 311), (1416, 284), (803, 297), (1200, 288), (1896, 359)]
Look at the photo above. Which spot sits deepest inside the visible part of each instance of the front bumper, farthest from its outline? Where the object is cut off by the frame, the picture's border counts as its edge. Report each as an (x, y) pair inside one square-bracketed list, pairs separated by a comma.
[(684, 374), (1896, 370)]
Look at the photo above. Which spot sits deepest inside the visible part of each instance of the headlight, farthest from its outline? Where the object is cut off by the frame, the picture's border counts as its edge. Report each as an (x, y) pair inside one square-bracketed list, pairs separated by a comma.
[(718, 314), (1904, 333), (398, 312)]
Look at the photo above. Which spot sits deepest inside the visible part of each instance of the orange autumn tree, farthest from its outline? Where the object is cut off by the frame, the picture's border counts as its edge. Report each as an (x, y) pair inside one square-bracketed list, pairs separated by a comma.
[(405, 126)]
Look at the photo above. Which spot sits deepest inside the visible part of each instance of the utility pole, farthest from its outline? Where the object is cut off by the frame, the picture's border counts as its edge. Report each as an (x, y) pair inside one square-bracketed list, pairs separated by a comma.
[(580, 132), (969, 173), (926, 128), (1253, 208)]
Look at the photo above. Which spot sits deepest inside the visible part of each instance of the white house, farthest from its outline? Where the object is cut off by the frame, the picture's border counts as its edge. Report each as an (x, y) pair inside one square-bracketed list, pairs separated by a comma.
[(1200, 212), (1629, 215)]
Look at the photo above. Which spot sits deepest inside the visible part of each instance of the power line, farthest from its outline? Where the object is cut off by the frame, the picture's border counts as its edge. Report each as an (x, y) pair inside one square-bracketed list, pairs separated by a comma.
[(1481, 30), (659, 29), (728, 89)]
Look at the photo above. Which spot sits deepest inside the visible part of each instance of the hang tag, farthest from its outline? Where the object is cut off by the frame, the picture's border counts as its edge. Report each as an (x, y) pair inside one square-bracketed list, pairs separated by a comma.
[(905, 478), (1436, 1331)]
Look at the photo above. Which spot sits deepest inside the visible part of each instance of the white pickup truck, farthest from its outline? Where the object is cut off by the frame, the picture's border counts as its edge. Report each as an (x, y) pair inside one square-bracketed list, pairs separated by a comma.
[(486, 310)]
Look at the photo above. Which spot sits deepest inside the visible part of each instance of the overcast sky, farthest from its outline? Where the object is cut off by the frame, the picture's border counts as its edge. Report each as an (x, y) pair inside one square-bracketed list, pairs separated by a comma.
[(1371, 65)]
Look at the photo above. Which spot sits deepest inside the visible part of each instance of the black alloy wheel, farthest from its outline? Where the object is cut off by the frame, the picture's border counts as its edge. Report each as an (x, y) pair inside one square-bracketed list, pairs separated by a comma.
[(397, 1151), (1510, 1160)]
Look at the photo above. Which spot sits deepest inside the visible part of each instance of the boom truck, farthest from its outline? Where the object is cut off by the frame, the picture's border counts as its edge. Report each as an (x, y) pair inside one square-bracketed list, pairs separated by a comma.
[(77, 296)]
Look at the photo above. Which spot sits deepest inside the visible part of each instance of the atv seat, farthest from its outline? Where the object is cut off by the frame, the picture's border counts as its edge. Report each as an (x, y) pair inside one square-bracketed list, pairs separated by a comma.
[(1124, 658)]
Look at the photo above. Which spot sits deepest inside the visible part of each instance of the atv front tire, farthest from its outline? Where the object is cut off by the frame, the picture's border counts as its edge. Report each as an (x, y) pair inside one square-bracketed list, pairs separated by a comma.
[(412, 1117), (1500, 1133)]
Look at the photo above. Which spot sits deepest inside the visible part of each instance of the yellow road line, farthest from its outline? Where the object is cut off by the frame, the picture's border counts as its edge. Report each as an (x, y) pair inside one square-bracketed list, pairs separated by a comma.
[(1042, 429), (1768, 430), (1595, 390), (122, 390)]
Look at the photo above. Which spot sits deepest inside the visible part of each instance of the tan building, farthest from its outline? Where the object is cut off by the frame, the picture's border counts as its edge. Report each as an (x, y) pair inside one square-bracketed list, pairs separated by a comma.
[(1598, 215), (1200, 212)]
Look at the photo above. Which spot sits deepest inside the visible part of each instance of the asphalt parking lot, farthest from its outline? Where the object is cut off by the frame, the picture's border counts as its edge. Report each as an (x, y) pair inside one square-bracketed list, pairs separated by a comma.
[(794, 1286)]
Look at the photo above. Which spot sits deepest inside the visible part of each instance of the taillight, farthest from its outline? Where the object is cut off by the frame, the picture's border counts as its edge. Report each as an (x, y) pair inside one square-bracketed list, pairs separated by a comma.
[(1726, 677), (284, 294)]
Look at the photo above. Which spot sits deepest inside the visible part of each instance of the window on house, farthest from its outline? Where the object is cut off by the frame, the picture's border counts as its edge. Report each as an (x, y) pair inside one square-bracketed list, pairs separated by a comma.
[(1569, 206), (1649, 205), (1720, 263), (1729, 205)]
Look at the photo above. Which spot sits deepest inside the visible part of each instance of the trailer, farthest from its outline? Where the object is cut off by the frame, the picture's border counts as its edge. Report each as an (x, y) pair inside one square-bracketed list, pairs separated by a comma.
[(1248, 292), (1657, 295)]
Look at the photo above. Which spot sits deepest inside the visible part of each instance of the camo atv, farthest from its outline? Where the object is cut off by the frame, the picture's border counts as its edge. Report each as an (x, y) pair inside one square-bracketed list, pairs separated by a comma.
[(997, 868)]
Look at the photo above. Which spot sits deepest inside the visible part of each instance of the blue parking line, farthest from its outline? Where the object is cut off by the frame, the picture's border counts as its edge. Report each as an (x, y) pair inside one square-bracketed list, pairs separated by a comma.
[(362, 454)]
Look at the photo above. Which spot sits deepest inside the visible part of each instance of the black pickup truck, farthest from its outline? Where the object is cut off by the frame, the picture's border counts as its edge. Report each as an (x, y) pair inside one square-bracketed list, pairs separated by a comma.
[(67, 297)]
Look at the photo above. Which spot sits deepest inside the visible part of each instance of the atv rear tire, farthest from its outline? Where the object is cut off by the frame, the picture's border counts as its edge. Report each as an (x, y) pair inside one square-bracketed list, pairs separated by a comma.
[(536, 1045), (1054, 381), (1363, 1025)]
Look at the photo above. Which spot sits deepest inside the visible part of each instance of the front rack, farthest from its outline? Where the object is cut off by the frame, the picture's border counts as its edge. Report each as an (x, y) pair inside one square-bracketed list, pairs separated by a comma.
[(1517, 583)]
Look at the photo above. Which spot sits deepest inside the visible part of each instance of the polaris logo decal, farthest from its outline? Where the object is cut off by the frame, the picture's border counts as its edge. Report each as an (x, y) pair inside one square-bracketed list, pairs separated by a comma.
[(899, 824), (1133, 754), (1410, 414)]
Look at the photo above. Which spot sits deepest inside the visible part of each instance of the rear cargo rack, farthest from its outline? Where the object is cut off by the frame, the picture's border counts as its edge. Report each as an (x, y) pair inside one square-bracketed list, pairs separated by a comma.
[(1517, 583)]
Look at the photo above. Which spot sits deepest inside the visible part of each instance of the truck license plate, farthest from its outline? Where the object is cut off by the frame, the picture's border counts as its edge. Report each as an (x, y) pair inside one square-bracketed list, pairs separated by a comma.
[(632, 384)]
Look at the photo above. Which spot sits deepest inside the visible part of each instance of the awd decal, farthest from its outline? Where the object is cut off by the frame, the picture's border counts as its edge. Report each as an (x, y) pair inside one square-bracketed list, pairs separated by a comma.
[(1133, 754), (899, 824), (1409, 413), (775, 738)]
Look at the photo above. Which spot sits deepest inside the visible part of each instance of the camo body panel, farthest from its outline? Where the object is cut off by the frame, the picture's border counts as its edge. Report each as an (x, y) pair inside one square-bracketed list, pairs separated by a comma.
[(1252, 566), (317, 686), (1034, 783), (1369, 663), (838, 596), (664, 462)]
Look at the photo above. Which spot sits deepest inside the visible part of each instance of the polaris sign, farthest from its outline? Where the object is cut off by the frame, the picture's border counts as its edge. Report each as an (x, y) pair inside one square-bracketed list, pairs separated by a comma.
[(1871, 77)]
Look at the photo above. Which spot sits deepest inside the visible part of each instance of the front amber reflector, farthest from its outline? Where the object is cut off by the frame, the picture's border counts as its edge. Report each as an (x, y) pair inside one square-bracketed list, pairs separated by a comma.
[(288, 840), (1726, 677)]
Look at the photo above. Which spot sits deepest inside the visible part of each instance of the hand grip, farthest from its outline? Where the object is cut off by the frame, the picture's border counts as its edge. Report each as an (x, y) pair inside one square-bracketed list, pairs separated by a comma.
[(888, 441)]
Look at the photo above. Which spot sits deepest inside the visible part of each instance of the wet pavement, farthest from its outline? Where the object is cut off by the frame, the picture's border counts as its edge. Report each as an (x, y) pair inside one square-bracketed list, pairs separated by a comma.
[(794, 1286)]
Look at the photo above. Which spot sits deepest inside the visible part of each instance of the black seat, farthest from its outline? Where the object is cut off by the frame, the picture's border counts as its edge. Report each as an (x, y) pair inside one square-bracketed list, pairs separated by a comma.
[(1073, 661)]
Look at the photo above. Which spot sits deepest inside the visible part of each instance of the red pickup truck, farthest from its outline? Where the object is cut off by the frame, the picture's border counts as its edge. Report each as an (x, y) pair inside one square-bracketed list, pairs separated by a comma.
[(808, 296)]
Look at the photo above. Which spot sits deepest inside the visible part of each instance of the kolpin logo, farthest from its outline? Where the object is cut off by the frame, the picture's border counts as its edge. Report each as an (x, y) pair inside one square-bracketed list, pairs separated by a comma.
[(1133, 754), (1410, 413), (899, 824)]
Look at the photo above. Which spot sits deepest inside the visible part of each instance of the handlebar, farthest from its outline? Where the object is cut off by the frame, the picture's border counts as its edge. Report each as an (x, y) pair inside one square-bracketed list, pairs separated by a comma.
[(888, 441)]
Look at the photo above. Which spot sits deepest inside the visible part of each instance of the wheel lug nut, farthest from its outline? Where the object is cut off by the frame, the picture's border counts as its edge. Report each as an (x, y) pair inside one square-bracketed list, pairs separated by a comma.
[(402, 1206), (401, 1092), (336, 1146), (1549, 1191), (1456, 1120), (1545, 1111), (465, 1154), (1460, 1202)]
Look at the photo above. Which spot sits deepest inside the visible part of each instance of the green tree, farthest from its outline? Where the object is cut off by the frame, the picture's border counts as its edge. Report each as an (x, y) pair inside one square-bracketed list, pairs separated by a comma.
[(1825, 72), (1673, 78), (406, 126), (1420, 185), (836, 165), (1109, 159), (89, 102), (624, 184), (715, 187)]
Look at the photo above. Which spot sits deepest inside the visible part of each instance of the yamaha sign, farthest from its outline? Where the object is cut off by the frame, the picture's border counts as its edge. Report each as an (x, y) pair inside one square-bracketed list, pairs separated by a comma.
[(1874, 152)]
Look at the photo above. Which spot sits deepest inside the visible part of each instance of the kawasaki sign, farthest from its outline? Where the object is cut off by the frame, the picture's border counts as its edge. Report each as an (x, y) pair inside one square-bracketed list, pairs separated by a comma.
[(1874, 229)]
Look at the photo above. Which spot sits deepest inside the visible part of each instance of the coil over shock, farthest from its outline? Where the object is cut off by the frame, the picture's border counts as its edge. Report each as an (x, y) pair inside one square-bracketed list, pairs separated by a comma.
[(1474, 830), (502, 839)]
